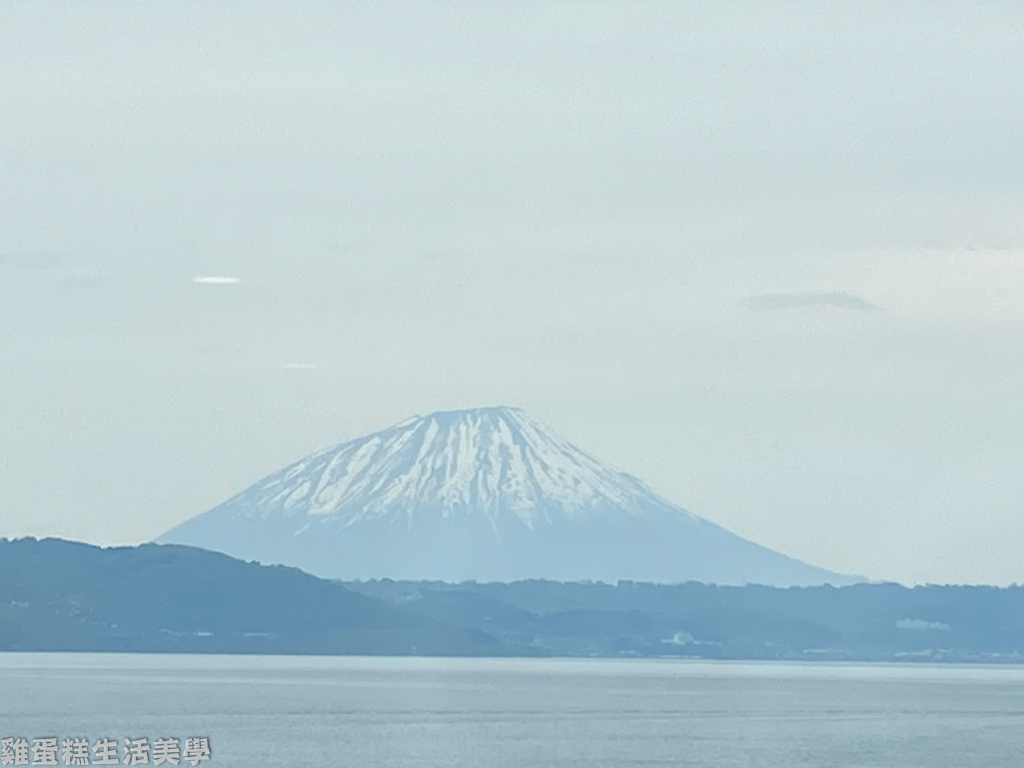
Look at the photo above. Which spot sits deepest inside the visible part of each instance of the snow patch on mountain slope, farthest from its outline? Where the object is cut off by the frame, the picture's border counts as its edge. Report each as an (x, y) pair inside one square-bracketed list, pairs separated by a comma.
[(491, 461), (485, 494)]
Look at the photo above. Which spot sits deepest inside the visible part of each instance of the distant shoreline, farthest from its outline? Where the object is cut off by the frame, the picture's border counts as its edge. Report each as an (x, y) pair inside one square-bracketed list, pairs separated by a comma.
[(61, 596)]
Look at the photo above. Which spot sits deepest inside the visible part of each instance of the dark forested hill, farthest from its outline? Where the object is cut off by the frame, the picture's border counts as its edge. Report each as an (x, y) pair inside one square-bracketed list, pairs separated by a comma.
[(64, 596)]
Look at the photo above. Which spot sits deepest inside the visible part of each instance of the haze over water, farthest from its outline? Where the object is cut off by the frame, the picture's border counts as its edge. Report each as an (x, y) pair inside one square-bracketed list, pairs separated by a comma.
[(489, 713)]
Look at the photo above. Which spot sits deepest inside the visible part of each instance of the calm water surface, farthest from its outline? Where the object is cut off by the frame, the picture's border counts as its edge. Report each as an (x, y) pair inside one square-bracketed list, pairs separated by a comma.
[(365, 712)]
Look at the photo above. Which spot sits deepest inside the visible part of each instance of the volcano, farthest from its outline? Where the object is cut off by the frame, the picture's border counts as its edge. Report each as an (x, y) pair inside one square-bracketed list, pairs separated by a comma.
[(486, 494)]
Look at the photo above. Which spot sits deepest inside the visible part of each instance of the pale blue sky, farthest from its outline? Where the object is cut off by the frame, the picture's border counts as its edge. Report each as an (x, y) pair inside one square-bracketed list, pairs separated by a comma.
[(767, 256)]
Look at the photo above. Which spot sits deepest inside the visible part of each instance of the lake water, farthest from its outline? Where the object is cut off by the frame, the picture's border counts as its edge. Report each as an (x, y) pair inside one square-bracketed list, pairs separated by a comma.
[(368, 712)]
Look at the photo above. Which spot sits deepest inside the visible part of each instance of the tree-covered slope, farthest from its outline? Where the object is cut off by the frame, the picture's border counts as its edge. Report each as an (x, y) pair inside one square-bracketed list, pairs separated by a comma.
[(64, 596)]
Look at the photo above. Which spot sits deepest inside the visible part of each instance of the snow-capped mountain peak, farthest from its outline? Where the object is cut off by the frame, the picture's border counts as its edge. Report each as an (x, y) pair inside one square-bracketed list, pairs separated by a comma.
[(489, 461), (486, 494)]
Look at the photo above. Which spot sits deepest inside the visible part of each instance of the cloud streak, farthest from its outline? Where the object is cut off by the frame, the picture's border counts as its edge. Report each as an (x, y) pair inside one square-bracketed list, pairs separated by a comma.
[(34, 260), (827, 300), (215, 280)]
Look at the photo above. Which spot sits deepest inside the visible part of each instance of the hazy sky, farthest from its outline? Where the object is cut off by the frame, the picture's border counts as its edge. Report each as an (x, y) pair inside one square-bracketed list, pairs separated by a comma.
[(767, 256)]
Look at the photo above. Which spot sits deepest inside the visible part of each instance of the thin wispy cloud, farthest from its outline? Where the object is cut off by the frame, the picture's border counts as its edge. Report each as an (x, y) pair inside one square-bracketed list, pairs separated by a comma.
[(78, 275), (827, 300), (215, 280), (49, 265), (35, 260)]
